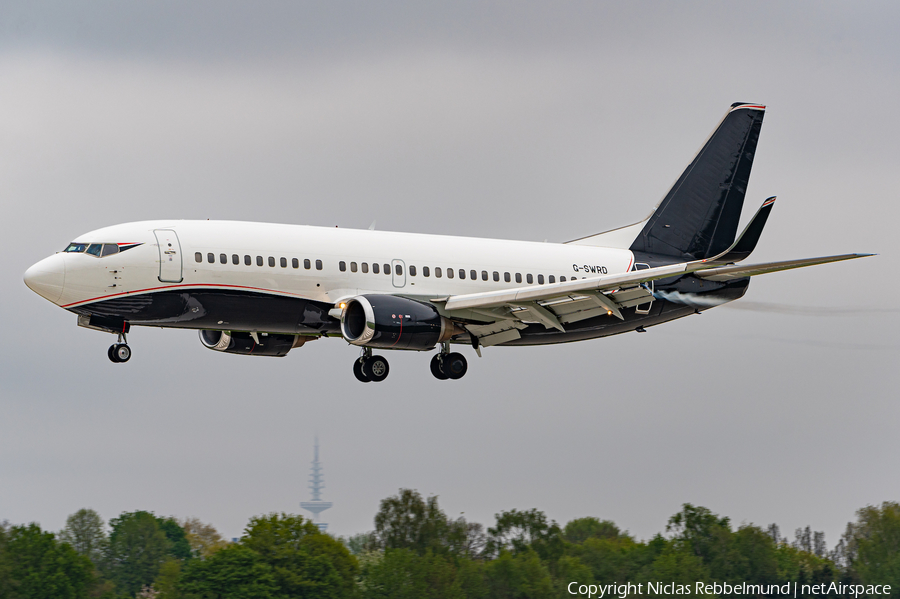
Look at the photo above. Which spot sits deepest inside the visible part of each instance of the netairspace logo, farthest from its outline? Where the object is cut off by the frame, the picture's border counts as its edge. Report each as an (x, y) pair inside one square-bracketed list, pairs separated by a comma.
[(791, 589)]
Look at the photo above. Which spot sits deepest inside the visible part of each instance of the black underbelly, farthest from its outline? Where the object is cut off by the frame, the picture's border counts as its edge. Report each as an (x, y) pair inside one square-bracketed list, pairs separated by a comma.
[(218, 309)]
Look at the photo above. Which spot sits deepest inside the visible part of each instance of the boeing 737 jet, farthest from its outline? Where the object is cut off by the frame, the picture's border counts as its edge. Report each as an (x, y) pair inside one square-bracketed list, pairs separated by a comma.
[(260, 289)]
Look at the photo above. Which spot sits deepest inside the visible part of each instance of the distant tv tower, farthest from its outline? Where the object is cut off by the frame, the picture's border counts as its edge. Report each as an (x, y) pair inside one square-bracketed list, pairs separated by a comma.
[(316, 506)]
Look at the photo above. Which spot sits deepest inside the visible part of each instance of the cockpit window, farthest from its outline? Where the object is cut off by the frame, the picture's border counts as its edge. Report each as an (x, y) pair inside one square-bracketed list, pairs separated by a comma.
[(76, 248), (94, 249), (109, 249)]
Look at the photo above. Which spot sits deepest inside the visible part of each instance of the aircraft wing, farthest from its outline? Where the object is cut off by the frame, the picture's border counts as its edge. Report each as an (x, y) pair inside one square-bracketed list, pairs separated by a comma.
[(727, 273), (556, 304)]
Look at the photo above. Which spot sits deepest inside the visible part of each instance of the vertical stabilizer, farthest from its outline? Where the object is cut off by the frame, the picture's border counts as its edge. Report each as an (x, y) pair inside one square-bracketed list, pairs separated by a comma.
[(699, 216)]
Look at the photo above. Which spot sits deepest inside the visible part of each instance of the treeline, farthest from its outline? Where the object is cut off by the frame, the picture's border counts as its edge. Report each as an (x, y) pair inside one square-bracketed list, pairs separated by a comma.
[(415, 551)]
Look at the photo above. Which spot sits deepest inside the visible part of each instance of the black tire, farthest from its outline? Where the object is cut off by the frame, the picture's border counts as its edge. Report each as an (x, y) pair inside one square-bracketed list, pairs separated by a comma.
[(376, 368), (436, 369), (111, 354), (455, 365), (122, 352), (358, 372)]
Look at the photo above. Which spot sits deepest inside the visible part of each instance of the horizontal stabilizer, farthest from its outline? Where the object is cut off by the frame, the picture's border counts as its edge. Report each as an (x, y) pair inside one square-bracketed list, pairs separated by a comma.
[(727, 273)]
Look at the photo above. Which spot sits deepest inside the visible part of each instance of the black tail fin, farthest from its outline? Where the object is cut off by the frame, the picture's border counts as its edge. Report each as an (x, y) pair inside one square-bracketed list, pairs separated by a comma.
[(699, 216)]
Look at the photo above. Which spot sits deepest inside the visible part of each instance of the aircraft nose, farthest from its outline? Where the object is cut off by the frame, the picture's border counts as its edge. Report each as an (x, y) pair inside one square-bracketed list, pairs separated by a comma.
[(47, 277)]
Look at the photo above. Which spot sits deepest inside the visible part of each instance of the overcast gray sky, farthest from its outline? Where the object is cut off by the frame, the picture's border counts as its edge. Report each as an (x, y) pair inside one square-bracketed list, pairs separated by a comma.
[(497, 119)]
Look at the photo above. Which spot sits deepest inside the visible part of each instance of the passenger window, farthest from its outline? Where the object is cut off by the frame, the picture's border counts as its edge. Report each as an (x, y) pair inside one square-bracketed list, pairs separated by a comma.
[(209, 258), (353, 267), (318, 265), (473, 275), (412, 270), (306, 264), (462, 273), (506, 277), (529, 279), (426, 271), (259, 261), (518, 277), (552, 279), (248, 260), (223, 258), (365, 267), (109, 249), (198, 257), (342, 266), (387, 269), (540, 279), (283, 262), (376, 268), (484, 275), (398, 269), (295, 263), (562, 279), (235, 259), (496, 276), (449, 273), (437, 272), (271, 261)]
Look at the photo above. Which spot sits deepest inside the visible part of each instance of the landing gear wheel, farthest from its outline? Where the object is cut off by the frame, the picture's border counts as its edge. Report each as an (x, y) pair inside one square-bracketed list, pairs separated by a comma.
[(358, 371), (376, 368), (122, 352), (119, 353), (455, 365), (437, 368)]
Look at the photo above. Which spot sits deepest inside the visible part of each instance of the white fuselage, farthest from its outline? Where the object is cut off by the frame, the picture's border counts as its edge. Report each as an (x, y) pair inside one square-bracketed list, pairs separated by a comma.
[(307, 262)]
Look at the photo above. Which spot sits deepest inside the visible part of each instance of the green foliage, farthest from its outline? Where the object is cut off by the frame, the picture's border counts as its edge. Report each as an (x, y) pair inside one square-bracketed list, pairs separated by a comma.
[(235, 572), (417, 552), (34, 565), (304, 561), (179, 547), (874, 544), (85, 531), (582, 529), (521, 531), (137, 549), (407, 521), (404, 574), (520, 576)]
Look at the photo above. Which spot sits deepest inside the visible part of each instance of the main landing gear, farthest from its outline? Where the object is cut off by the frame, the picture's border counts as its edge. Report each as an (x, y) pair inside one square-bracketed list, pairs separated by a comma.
[(448, 365), (119, 352), (368, 368)]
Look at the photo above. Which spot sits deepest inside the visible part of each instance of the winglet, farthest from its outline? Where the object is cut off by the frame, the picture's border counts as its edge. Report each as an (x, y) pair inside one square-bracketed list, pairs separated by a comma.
[(746, 241)]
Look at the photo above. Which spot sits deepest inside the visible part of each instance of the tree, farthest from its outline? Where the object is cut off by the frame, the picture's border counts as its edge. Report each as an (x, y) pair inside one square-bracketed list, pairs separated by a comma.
[(404, 574), (85, 531), (873, 544), (520, 530), (235, 572), (305, 561), (137, 549), (407, 521), (204, 539), (38, 566), (582, 529), (179, 547)]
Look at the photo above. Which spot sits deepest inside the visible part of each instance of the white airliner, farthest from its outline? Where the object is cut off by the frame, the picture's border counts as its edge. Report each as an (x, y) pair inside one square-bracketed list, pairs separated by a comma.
[(264, 289)]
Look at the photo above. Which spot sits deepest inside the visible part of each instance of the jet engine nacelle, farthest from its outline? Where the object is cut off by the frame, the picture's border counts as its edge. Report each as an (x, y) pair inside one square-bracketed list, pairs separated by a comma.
[(389, 322), (245, 344)]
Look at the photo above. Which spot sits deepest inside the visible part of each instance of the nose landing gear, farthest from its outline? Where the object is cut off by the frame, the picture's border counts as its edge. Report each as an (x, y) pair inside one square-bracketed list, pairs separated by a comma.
[(368, 368), (119, 352)]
